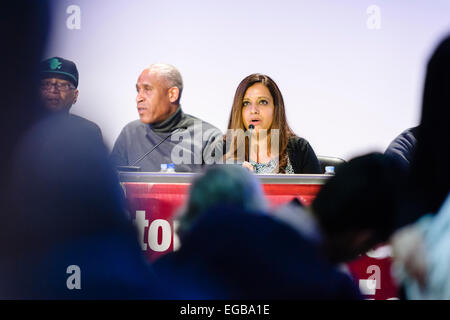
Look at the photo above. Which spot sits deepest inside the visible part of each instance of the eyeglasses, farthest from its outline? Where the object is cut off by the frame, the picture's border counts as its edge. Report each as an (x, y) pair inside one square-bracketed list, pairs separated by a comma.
[(61, 86)]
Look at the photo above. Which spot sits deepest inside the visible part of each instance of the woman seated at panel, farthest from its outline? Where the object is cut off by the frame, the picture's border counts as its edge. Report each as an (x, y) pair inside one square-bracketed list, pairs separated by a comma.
[(275, 148)]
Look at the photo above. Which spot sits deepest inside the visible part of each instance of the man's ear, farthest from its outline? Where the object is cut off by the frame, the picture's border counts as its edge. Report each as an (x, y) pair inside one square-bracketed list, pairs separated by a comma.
[(75, 97), (174, 93)]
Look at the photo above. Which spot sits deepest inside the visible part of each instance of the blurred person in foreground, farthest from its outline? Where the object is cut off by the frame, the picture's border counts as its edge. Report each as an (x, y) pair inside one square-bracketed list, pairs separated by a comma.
[(69, 211), (354, 211), (23, 34), (403, 147), (61, 204), (231, 248), (421, 248), (162, 122)]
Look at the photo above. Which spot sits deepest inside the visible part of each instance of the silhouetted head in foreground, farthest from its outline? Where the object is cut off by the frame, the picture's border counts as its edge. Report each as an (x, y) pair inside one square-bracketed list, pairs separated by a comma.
[(356, 208)]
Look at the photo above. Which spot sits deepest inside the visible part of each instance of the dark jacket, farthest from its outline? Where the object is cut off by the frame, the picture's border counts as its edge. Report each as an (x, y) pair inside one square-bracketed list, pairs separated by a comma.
[(302, 156)]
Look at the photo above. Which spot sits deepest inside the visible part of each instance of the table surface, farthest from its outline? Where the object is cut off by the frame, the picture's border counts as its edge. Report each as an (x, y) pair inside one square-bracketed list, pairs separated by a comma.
[(186, 177)]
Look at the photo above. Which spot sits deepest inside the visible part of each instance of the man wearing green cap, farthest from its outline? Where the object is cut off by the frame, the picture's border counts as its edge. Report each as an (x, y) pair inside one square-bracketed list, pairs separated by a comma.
[(58, 89)]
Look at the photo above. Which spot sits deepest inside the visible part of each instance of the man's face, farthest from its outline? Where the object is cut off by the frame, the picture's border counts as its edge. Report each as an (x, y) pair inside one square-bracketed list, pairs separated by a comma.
[(58, 94), (153, 98)]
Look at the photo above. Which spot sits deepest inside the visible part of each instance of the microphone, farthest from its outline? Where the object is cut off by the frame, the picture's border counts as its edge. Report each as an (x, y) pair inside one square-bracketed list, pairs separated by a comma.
[(250, 127), (133, 167)]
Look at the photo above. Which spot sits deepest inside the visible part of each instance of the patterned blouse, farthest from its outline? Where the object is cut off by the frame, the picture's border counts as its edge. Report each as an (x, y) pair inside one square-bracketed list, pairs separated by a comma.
[(270, 167)]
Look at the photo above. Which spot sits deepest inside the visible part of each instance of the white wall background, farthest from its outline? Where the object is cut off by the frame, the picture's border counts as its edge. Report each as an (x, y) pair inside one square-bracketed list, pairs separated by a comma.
[(348, 88)]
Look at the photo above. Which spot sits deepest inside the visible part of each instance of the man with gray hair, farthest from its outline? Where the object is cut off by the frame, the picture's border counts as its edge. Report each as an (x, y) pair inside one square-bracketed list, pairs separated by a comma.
[(164, 133)]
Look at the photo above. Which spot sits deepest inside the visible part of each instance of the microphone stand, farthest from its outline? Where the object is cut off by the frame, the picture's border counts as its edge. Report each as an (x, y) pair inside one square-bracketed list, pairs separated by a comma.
[(159, 143), (250, 128)]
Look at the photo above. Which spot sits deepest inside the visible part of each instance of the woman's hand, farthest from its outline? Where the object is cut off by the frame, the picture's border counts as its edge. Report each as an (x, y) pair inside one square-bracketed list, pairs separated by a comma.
[(247, 165)]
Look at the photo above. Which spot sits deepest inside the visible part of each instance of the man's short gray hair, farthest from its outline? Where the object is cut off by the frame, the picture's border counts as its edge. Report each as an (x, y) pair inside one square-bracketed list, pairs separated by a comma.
[(170, 73)]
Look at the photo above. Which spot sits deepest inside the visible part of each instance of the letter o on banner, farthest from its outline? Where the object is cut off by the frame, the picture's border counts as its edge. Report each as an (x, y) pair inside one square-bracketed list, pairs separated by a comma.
[(153, 235)]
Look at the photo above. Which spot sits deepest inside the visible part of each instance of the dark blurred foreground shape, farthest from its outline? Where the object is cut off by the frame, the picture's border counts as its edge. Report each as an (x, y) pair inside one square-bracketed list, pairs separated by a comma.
[(421, 248), (429, 180), (231, 253), (68, 210), (403, 147), (61, 203), (356, 208)]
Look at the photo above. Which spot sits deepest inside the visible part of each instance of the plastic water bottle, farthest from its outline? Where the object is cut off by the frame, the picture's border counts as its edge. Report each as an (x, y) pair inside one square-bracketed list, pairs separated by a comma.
[(329, 170), (163, 167), (171, 167)]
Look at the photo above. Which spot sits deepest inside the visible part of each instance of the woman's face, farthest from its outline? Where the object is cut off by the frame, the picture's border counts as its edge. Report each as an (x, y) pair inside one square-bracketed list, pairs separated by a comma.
[(257, 107)]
